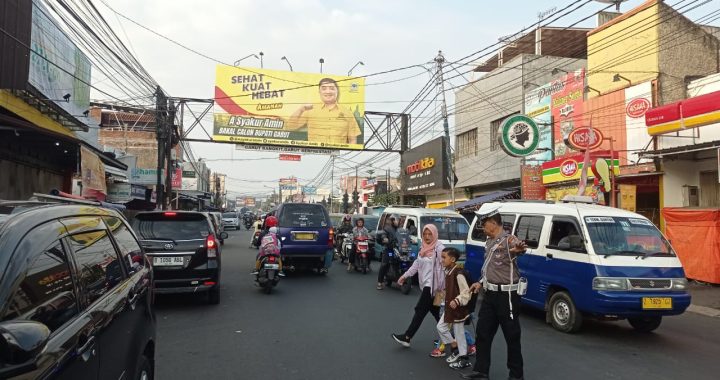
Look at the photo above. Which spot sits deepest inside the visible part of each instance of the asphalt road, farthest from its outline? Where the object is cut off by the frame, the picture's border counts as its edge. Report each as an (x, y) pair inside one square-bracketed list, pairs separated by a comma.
[(338, 327)]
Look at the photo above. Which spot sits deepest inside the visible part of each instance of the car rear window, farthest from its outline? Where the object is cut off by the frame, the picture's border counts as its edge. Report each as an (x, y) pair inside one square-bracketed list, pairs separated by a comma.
[(304, 215), (230, 215), (170, 226)]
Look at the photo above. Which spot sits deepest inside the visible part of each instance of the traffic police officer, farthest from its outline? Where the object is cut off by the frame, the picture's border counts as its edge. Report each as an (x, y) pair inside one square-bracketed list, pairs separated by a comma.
[(501, 283)]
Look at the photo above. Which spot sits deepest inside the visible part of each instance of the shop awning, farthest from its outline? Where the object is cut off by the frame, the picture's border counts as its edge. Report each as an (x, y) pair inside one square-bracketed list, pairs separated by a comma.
[(478, 201), (680, 150)]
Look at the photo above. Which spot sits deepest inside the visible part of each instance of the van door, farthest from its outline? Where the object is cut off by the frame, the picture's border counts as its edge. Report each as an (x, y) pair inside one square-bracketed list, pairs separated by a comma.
[(533, 264), (567, 260)]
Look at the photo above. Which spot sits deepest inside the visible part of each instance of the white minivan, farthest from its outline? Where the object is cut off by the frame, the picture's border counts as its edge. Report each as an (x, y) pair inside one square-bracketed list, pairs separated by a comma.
[(587, 260)]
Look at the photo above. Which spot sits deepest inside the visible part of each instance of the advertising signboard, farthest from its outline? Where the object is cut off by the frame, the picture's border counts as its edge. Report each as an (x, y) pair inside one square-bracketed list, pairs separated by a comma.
[(93, 171), (423, 168), (239, 202), (138, 192), (119, 193), (69, 87), (273, 107), (638, 100), (570, 168), (537, 107), (250, 202), (143, 176), (309, 190), (567, 109), (288, 183), (532, 184), (289, 157)]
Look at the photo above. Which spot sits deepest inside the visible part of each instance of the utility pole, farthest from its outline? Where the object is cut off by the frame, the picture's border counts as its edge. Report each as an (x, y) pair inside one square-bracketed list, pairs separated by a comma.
[(356, 199), (161, 135), (332, 179), (448, 155), (169, 142), (404, 147)]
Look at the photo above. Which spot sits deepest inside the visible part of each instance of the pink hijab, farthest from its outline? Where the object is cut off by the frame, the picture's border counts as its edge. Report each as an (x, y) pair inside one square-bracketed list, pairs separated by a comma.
[(428, 250)]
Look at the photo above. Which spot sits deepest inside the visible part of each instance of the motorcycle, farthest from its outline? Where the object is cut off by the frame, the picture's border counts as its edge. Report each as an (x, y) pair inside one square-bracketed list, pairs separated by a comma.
[(401, 258), (248, 224), (362, 253), (269, 274), (342, 247), (256, 240)]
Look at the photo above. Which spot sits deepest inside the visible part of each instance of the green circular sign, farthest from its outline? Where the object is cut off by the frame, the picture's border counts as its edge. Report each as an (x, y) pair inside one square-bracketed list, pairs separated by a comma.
[(519, 135)]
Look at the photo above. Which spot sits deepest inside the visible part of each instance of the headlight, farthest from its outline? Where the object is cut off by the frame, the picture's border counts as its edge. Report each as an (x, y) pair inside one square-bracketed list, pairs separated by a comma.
[(679, 284), (610, 283)]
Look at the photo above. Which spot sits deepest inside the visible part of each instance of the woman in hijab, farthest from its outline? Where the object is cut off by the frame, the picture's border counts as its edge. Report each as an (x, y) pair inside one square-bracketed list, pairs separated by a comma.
[(431, 276)]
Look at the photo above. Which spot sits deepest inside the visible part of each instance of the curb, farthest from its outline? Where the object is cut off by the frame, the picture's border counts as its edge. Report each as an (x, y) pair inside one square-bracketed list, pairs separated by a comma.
[(703, 310)]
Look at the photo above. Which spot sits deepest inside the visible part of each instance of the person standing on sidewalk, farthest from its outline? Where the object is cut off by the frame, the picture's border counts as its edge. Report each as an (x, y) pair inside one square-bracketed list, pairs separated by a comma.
[(500, 306), (457, 296), (428, 266)]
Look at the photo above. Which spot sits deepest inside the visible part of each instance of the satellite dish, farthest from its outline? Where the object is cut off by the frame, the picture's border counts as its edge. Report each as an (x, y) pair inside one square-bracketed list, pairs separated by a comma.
[(616, 2)]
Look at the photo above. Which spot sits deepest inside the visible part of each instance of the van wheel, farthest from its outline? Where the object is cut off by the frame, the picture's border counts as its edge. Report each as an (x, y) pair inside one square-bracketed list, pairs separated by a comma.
[(645, 324), (214, 295), (563, 314), (144, 369)]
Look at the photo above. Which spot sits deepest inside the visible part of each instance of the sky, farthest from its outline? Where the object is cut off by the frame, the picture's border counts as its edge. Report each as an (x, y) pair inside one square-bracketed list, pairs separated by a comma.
[(384, 34)]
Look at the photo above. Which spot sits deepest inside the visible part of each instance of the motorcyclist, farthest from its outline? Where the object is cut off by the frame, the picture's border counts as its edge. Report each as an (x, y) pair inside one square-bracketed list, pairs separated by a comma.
[(358, 230), (344, 228), (271, 225), (388, 240), (257, 226)]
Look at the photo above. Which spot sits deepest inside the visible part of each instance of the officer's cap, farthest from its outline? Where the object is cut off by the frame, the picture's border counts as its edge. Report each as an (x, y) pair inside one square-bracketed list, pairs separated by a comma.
[(487, 210)]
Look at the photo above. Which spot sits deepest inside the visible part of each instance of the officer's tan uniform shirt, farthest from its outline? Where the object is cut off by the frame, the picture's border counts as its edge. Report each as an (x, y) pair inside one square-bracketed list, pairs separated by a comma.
[(497, 271), (330, 124)]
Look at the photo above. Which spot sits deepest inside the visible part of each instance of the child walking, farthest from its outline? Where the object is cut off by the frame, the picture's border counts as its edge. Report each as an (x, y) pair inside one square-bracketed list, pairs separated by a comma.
[(457, 295)]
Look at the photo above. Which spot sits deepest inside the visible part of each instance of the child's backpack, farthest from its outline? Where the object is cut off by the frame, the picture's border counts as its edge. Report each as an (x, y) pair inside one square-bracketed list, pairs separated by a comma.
[(269, 245)]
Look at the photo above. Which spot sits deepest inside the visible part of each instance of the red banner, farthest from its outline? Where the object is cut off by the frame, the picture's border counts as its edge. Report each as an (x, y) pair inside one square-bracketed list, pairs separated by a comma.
[(567, 110), (532, 184), (290, 157)]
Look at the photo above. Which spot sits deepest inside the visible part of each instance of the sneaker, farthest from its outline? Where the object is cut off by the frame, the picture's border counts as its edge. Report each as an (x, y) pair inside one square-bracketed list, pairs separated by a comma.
[(401, 339), (437, 353), (460, 364), (453, 358), (380, 287), (472, 349)]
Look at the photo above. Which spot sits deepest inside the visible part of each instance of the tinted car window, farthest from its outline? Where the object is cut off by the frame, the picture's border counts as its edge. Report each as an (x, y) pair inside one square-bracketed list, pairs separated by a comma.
[(529, 229), (229, 215), (130, 251), (449, 228), (172, 227), (303, 215), (564, 235), (478, 232), (97, 262), (46, 293)]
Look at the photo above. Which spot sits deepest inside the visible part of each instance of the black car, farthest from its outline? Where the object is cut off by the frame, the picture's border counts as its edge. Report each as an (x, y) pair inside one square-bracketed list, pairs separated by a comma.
[(184, 250), (76, 294)]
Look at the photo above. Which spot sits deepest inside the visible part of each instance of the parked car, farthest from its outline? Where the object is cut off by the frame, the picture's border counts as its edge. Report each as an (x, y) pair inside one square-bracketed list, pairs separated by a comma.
[(306, 234), (218, 225), (184, 250), (76, 293), (231, 219), (586, 260)]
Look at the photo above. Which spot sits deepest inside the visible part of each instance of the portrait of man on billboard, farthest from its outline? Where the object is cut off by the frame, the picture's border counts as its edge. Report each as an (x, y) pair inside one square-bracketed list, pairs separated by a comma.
[(327, 120)]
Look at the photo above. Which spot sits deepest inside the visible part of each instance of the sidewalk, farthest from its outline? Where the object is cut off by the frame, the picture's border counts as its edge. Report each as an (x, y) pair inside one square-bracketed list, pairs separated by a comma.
[(705, 298)]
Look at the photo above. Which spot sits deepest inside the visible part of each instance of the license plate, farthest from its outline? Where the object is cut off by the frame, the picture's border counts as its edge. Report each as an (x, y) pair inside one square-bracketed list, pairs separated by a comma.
[(271, 266), (167, 261), (650, 303), (305, 236)]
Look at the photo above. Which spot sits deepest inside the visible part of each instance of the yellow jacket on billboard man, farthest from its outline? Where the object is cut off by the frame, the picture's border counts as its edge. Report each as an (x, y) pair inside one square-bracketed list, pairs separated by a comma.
[(327, 121), (287, 108)]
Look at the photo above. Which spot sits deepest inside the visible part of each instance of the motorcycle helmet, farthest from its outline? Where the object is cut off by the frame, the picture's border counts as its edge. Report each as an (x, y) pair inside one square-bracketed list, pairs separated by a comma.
[(347, 218), (271, 221)]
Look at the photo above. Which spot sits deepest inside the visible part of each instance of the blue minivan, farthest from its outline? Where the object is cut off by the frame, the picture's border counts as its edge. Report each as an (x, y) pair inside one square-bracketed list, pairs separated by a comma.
[(587, 260), (306, 236)]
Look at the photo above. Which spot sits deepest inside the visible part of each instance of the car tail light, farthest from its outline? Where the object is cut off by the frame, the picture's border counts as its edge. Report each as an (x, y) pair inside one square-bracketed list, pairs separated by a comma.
[(271, 259), (331, 237), (169, 213), (211, 245), (209, 283)]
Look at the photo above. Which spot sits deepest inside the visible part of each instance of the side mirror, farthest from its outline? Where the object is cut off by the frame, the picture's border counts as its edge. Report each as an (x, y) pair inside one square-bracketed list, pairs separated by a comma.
[(20, 344), (224, 235)]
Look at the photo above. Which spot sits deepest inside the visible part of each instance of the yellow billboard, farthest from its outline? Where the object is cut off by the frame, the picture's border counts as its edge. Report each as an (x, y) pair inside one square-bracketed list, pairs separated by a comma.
[(274, 107)]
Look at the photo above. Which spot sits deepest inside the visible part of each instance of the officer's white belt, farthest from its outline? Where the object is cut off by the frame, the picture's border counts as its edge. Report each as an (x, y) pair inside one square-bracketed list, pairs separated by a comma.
[(497, 287)]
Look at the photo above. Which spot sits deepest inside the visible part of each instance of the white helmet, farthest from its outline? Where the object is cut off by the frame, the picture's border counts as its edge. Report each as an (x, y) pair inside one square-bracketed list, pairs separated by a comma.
[(273, 230)]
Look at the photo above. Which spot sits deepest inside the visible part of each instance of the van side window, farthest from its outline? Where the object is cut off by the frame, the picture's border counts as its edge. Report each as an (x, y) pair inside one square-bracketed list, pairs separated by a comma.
[(412, 226), (381, 224), (529, 229), (46, 294), (478, 233), (564, 235), (97, 263)]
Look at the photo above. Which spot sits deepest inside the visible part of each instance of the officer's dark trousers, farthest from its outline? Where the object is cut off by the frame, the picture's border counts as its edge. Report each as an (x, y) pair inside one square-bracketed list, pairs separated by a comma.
[(424, 306), (494, 312)]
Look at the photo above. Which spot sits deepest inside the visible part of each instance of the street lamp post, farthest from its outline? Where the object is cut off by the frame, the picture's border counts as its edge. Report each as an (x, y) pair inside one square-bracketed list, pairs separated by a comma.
[(284, 58), (246, 57), (261, 59), (356, 65), (322, 60)]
